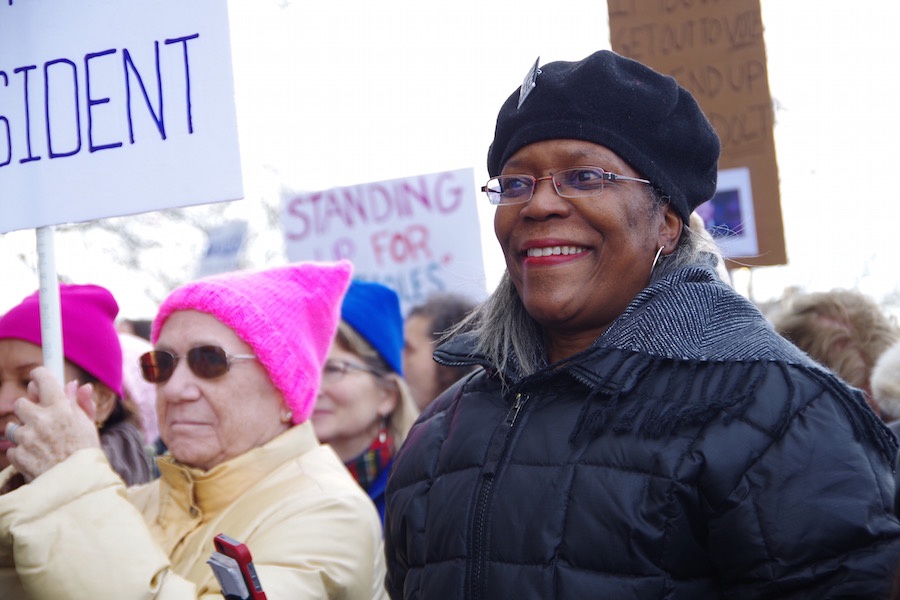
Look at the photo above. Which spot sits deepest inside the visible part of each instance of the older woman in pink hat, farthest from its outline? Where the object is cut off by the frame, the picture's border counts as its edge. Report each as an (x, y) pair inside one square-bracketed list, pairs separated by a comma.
[(237, 364)]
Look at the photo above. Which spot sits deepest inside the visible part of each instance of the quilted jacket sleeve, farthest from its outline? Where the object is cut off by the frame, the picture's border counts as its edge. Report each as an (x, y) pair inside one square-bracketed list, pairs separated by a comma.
[(829, 530)]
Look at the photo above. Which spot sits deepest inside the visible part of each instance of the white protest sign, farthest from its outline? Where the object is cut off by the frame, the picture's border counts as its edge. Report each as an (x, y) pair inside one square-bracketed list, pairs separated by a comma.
[(417, 235), (114, 107)]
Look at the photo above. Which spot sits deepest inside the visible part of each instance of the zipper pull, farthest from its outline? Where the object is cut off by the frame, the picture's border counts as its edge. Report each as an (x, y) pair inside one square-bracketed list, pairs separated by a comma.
[(514, 411)]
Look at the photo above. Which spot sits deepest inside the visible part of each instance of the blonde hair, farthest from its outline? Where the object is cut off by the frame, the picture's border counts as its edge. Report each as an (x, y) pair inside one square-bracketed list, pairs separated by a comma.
[(406, 411), (844, 330)]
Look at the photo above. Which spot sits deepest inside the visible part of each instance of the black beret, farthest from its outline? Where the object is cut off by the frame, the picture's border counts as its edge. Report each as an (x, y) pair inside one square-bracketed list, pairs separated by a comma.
[(648, 119)]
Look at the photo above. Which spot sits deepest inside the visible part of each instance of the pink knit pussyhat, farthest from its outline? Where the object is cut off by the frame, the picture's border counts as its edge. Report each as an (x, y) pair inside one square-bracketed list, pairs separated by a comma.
[(288, 315), (89, 335)]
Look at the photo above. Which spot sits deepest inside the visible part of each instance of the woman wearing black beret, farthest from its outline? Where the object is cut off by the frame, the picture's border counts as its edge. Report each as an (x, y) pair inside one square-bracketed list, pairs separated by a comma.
[(637, 428)]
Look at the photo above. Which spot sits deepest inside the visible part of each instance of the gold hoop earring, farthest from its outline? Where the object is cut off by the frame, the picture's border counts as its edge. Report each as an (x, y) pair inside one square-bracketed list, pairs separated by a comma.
[(656, 258)]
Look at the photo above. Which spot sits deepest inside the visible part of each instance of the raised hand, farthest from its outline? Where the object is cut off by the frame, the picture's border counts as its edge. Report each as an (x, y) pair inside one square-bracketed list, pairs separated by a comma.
[(55, 423)]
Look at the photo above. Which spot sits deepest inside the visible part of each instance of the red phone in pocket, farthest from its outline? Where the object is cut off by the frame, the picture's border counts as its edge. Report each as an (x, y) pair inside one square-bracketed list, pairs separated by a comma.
[(238, 552)]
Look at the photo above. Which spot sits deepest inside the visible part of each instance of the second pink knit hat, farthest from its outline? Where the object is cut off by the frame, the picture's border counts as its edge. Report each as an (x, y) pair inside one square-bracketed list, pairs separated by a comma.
[(288, 315), (88, 329)]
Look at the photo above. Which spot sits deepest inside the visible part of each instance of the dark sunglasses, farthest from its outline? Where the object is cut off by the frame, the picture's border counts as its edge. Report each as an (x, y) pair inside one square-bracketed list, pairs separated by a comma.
[(207, 362)]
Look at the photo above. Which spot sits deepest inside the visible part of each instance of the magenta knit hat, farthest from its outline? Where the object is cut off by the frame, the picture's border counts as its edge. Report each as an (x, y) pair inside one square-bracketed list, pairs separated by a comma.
[(89, 335), (288, 315)]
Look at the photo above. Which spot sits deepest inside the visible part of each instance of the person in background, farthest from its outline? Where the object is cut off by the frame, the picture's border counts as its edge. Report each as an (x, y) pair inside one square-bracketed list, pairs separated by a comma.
[(885, 383), (844, 330), (140, 392), (92, 355), (365, 409), (638, 429), (237, 363), (425, 324), (136, 327)]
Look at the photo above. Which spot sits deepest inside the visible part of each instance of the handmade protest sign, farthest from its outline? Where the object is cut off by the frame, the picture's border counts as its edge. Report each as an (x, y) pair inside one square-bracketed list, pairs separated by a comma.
[(417, 235), (112, 107), (717, 51)]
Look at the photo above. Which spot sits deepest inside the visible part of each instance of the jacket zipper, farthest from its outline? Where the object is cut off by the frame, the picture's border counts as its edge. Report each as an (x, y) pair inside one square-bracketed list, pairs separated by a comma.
[(495, 453), (517, 407)]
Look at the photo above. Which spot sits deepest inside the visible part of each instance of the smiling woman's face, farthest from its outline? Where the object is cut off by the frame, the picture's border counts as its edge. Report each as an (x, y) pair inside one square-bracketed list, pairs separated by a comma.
[(607, 243), (207, 421)]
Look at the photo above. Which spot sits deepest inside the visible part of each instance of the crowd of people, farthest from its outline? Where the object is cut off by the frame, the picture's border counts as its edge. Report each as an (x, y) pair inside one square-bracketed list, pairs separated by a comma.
[(613, 421)]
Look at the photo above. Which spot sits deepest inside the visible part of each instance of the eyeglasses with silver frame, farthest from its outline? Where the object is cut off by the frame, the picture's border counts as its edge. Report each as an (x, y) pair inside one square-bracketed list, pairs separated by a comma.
[(333, 370), (577, 182)]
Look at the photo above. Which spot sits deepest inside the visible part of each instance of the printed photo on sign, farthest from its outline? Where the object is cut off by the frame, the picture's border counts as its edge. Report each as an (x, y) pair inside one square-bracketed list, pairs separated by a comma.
[(729, 214)]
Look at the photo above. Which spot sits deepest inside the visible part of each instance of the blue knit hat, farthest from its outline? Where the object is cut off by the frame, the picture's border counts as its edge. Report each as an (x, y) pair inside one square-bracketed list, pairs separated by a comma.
[(373, 310)]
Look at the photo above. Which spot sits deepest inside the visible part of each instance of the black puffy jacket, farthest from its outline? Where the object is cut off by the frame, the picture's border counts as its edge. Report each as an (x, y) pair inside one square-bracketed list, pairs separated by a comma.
[(632, 472)]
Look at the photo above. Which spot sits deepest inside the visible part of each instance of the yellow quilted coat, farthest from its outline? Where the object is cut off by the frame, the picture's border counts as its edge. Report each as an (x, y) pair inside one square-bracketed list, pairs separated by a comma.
[(77, 532)]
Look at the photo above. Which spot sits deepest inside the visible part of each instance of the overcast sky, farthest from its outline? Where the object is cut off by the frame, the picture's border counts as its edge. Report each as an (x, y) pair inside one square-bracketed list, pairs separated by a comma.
[(333, 93)]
